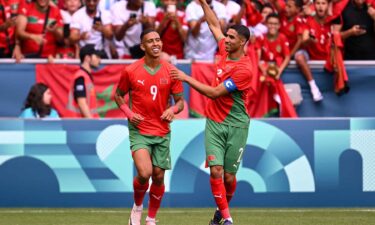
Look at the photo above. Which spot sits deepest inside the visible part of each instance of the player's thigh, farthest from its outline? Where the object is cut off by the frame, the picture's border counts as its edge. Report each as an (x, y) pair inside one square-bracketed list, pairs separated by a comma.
[(215, 142), (140, 146), (143, 163), (161, 156), (235, 148)]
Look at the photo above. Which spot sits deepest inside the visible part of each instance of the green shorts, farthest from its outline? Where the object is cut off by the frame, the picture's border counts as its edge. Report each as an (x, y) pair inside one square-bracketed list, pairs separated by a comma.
[(158, 147), (225, 145)]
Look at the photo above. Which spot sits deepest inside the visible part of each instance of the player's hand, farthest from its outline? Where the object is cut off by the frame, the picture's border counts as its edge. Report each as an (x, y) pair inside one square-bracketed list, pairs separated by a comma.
[(178, 75), (167, 115), (136, 119)]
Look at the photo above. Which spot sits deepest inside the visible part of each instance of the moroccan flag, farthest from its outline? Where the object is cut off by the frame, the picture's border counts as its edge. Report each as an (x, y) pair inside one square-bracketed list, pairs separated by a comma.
[(335, 65), (59, 78), (204, 73)]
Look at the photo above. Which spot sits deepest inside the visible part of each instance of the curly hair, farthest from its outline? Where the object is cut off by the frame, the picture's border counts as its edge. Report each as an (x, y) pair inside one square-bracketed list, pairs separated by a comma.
[(35, 101)]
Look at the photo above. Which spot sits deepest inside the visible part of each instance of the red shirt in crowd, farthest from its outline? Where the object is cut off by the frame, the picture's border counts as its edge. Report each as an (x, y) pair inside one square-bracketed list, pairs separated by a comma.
[(172, 42), (318, 49), (35, 23), (150, 94), (8, 9), (291, 29), (274, 50)]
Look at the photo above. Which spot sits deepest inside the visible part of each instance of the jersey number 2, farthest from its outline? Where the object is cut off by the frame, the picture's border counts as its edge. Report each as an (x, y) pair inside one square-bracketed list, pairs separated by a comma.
[(154, 91)]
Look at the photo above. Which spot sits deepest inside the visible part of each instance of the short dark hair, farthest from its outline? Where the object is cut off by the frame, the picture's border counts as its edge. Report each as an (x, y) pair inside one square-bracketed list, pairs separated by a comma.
[(89, 50), (241, 30), (273, 15), (298, 3), (147, 31)]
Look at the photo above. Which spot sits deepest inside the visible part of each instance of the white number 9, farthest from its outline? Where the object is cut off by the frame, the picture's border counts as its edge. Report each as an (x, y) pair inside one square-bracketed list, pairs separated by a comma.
[(154, 91)]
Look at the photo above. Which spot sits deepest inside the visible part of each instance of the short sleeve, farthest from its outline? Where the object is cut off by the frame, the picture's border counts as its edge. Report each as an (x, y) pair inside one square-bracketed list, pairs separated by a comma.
[(116, 14), (221, 45), (241, 79), (106, 17), (76, 21), (124, 83), (191, 14), (177, 87)]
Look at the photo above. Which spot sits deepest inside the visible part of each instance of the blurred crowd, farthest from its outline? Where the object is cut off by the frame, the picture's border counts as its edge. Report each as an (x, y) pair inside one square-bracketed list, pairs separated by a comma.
[(281, 30), (57, 29)]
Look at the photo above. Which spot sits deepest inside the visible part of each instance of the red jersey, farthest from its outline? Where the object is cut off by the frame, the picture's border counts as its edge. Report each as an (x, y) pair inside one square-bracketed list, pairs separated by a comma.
[(231, 109), (291, 29), (318, 49), (8, 9), (274, 50), (150, 94), (35, 23), (172, 42)]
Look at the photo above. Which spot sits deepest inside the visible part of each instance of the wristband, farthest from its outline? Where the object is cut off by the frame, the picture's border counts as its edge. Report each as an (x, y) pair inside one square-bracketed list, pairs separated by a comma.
[(175, 109), (128, 113)]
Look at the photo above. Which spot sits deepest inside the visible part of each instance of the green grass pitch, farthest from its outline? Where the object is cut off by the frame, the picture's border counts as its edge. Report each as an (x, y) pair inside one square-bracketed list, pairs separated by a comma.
[(188, 216)]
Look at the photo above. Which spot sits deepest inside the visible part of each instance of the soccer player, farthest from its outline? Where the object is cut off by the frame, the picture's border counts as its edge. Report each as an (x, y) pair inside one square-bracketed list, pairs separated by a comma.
[(227, 117), (149, 85), (82, 96)]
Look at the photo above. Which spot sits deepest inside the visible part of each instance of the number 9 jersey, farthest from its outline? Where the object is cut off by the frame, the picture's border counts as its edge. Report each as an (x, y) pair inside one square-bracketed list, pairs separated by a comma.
[(149, 94)]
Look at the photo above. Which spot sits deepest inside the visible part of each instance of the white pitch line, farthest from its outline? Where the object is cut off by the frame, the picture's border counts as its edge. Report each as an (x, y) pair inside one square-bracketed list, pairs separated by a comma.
[(171, 211)]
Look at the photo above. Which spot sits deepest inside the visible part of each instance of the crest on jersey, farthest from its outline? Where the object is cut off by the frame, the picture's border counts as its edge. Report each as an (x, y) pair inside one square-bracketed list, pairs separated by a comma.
[(292, 28), (278, 48)]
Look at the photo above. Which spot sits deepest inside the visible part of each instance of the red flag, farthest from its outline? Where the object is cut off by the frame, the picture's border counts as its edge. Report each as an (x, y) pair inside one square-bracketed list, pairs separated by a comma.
[(264, 103), (204, 73), (335, 65), (58, 78)]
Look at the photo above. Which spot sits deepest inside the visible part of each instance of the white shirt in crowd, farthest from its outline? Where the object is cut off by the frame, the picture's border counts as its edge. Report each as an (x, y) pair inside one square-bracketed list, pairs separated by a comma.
[(120, 15), (232, 8), (204, 45), (66, 17), (84, 23)]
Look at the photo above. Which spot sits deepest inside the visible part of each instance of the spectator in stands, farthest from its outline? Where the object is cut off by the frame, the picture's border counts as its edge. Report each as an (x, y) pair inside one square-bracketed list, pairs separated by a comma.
[(38, 103), (129, 19), (292, 24), (357, 30), (67, 49), (39, 27), (274, 55), (8, 14), (316, 38), (232, 9), (308, 8), (200, 43), (172, 27), (260, 29), (82, 96), (92, 26)]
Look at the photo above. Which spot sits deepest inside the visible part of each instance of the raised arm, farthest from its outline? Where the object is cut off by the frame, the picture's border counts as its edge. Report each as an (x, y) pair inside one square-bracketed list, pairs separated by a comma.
[(212, 20)]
